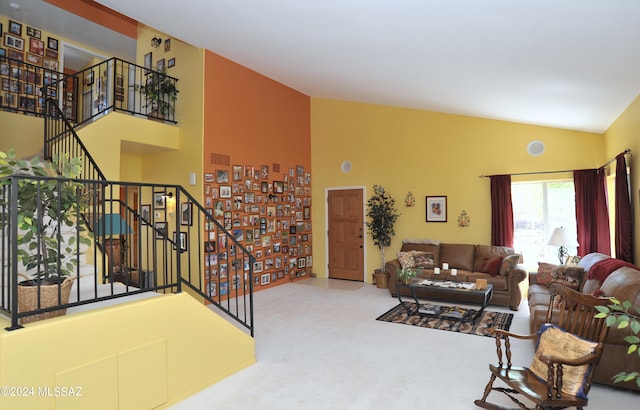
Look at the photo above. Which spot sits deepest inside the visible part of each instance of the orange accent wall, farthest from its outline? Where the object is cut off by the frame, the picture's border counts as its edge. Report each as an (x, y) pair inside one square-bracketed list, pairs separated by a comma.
[(252, 118), (99, 14)]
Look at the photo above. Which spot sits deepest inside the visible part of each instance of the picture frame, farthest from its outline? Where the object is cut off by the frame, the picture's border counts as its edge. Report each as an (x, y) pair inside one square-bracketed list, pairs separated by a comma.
[(222, 176), (15, 54), (160, 230), (32, 32), (180, 238), (34, 59), (278, 187), (49, 53), (436, 208), (52, 43), (186, 213), (15, 28), (36, 46), (148, 58), (89, 79), (159, 200), (145, 214), (167, 45), (171, 62), (14, 42), (160, 65), (225, 191)]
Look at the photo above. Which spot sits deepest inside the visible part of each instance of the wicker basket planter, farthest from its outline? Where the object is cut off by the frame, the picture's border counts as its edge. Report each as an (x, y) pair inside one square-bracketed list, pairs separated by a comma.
[(382, 279), (28, 298)]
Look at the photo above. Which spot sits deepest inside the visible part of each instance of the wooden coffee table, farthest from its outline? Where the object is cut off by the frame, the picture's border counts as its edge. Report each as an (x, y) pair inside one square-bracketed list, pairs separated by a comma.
[(447, 291)]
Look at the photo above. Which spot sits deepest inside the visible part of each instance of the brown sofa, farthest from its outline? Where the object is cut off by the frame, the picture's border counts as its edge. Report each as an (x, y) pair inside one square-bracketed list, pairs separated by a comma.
[(622, 283), (470, 261)]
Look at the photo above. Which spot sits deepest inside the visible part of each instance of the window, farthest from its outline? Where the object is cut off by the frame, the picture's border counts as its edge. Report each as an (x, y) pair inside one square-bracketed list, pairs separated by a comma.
[(539, 208)]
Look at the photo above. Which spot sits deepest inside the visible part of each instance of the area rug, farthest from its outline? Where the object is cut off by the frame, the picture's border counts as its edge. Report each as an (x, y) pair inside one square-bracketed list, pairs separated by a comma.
[(488, 319)]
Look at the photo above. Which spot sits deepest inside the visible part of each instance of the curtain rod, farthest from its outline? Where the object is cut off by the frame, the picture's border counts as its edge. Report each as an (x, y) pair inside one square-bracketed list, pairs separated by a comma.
[(626, 151)]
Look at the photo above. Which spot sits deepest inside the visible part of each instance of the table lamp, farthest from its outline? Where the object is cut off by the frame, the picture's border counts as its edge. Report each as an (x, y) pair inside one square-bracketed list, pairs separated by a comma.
[(561, 237)]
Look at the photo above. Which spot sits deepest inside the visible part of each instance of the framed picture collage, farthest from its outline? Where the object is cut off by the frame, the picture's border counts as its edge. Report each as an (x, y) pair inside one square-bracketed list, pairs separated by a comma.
[(28, 61), (269, 214)]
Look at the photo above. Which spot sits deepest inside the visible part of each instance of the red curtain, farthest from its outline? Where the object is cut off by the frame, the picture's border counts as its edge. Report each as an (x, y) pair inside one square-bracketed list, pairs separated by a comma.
[(501, 211), (623, 218), (591, 211)]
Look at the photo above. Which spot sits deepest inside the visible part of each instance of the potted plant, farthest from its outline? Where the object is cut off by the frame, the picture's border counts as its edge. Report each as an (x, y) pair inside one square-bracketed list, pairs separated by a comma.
[(44, 207), (382, 216), (160, 93), (406, 274)]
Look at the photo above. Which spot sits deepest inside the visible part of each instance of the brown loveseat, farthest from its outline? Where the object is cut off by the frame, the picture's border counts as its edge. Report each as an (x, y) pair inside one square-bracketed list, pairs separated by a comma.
[(472, 262), (622, 283)]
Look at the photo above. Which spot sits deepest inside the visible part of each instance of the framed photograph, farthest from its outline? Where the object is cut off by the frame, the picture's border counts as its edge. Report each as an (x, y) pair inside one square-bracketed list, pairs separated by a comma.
[(160, 65), (167, 45), (180, 238), (159, 200), (34, 59), (13, 41), (186, 213), (171, 62), (222, 176), (161, 230), (51, 53), (148, 60), (225, 191), (436, 209), (32, 32), (145, 213), (52, 43), (265, 279), (15, 28), (36, 46), (3, 52), (15, 54), (278, 187), (89, 79)]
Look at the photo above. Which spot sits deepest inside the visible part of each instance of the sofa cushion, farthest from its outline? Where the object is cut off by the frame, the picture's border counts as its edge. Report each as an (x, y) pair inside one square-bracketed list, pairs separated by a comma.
[(508, 263), (424, 246), (545, 273), (570, 276), (423, 260), (486, 252), (458, 256), (406, 259), (492, 266), (555, 341)]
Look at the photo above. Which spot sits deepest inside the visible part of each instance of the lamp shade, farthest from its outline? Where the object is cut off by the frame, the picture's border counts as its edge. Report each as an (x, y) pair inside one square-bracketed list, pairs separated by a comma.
[(561, 237), (112, 224)]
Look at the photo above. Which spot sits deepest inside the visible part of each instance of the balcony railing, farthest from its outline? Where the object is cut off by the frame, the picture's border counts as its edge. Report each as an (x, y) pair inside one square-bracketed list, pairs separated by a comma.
[(113, 84)]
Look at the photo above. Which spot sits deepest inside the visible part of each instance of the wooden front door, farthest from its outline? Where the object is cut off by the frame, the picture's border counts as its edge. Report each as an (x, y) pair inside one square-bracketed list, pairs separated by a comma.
[(346, 234)]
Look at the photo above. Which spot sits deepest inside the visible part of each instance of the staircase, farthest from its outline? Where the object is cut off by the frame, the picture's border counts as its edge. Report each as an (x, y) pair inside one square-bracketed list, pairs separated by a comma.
[(133, 253)]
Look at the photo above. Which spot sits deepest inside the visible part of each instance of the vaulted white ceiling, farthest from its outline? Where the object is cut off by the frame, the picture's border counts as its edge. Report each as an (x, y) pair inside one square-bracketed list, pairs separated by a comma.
[(564, 63)]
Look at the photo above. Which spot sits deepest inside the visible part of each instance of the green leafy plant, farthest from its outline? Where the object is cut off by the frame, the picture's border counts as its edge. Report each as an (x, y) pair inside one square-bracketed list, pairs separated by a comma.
[(406, 274), (620, 315), (44, 207), (160, 92), (383, 215)]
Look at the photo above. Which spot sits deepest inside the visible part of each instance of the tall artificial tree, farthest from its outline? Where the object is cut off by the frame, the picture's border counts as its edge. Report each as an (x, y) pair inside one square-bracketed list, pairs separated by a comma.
[(382, 216)]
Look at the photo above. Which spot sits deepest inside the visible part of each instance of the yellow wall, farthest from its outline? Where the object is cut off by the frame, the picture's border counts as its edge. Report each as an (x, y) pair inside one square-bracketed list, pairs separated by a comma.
[(121, 361), (23, 133), (622, 134), (432, 154)]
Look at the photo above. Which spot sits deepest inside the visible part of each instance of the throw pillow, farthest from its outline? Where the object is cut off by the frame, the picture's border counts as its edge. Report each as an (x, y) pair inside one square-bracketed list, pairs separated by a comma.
[(554, 341), (406, 259), (508, 263), (545, 273), (492, 266), (569, 276), (423, 260)]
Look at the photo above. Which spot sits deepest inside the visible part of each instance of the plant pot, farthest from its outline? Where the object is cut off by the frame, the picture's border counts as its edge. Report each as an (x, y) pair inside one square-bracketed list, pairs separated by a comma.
[(28, 297), (382, 279)]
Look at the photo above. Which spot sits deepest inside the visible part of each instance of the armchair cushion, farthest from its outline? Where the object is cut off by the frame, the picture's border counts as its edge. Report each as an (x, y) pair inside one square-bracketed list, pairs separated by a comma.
[(554, 341)]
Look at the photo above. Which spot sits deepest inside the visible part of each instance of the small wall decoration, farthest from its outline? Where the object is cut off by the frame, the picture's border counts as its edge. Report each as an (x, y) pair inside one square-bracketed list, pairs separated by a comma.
[(186, 213), (160, 65), (148, 60), (36, 46), (13, 41), (409, 200), (171, 62), (145, 213), (436, 208), (159, 200), (167, 45), (33, 32), (463, 219)]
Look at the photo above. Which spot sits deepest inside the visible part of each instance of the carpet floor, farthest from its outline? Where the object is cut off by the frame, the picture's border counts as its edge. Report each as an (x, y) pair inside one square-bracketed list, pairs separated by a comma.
[(399, 314)]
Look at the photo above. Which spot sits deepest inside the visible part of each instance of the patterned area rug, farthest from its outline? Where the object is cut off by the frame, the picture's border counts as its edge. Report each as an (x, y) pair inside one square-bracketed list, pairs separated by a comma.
[(488, 319)]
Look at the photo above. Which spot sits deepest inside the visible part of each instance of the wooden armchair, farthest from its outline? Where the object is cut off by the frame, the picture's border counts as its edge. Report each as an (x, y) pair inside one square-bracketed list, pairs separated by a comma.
[(567, 349)]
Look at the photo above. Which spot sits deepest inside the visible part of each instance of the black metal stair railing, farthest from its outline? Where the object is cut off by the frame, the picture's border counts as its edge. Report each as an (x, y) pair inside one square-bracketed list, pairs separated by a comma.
[(156, 246)]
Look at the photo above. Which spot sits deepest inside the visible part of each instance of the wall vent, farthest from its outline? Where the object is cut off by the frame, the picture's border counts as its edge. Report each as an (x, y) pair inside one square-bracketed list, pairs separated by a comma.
[(220, 159)]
